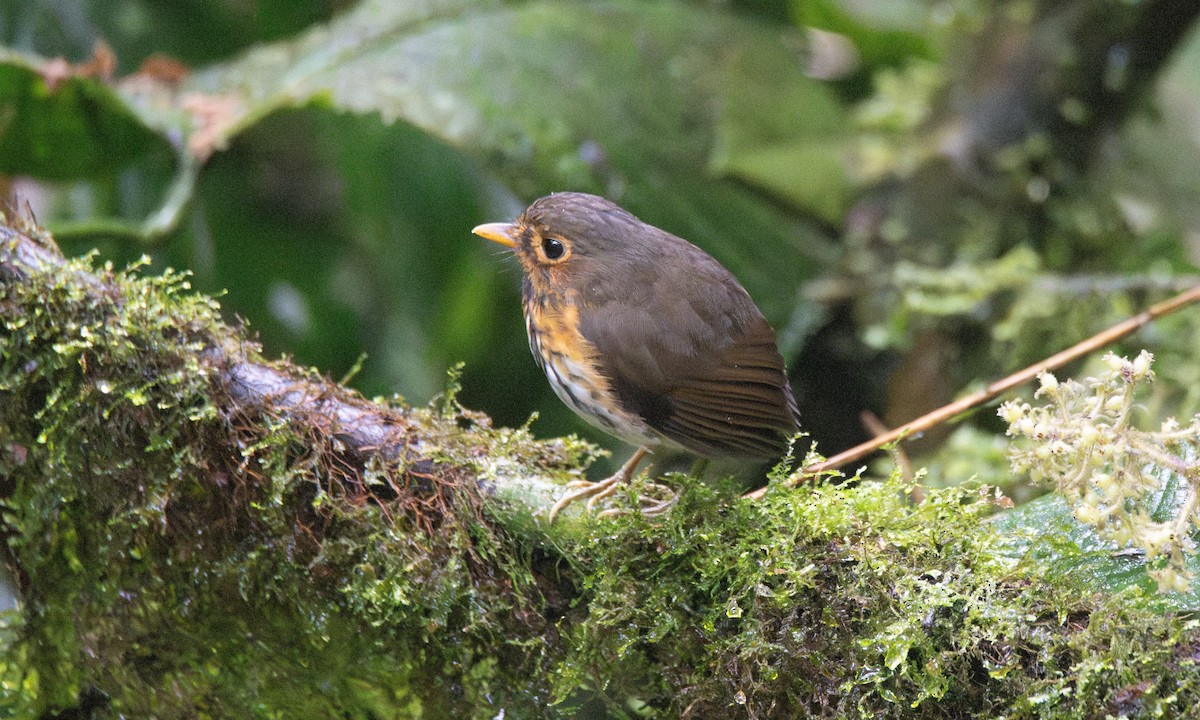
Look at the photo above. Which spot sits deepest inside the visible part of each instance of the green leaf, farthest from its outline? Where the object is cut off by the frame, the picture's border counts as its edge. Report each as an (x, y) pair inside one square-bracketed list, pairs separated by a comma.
[(556, 96), (783, 132), (883, 33), (565, 88), (64, 127), (1046, 534)]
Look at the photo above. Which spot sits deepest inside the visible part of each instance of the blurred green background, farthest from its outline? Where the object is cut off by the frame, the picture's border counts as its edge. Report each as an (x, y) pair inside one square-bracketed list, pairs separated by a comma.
[(921, 195)]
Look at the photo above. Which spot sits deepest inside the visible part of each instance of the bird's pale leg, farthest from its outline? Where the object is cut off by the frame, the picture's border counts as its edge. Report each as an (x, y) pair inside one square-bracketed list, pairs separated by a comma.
[(597, 491)]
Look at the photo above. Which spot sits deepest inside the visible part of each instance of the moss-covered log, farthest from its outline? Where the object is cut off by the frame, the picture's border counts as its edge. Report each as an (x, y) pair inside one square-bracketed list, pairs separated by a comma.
[(167, 492), (198, 532)]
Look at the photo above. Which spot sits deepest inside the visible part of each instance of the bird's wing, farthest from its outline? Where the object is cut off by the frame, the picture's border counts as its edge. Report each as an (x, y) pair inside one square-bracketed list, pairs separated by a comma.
[(695, 359)]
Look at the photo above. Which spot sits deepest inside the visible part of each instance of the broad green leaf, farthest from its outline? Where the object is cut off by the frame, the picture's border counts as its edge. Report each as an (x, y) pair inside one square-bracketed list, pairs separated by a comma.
[(630, 100), (569, 89), (627, 99), (60, 127), (1046, 533), (883, 33)]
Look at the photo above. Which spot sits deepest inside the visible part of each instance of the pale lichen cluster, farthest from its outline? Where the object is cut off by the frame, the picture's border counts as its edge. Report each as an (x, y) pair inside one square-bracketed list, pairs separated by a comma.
[(1135, 487)]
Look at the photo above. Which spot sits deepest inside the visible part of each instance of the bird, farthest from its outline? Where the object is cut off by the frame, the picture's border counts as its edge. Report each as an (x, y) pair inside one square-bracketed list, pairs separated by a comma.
[(647, 337)]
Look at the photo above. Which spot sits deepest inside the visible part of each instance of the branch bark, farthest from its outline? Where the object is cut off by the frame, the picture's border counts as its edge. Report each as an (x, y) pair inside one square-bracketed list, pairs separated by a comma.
[(360, 432)]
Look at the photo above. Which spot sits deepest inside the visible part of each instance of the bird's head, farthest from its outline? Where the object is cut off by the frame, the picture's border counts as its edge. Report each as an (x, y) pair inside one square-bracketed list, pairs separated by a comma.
[(559, 238)]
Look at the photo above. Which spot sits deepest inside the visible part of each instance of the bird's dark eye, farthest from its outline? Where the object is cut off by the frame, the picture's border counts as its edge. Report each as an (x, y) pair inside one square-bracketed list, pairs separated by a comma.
[(554, 249)]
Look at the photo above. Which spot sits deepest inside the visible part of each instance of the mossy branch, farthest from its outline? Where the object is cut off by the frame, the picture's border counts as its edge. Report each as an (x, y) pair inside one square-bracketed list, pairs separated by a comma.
[(367, 442), (195, 527)]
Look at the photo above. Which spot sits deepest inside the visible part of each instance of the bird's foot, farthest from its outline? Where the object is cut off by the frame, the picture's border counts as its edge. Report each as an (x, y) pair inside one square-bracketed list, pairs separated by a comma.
[(653, 498), (594, 491)]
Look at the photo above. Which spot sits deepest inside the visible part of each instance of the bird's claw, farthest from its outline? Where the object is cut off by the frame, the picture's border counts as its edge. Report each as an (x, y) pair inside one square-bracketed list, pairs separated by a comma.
[(653, 498)]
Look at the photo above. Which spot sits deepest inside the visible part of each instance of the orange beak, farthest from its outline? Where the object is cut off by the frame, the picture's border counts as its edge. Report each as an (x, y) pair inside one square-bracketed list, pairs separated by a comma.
[(503, 233)]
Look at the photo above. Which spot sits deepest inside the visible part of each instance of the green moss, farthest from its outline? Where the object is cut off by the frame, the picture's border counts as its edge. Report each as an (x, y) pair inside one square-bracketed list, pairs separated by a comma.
[(851, 601), (182, 555)]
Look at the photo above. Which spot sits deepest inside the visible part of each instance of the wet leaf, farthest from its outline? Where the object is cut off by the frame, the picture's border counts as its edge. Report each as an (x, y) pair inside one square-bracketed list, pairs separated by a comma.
[(1044, 532)]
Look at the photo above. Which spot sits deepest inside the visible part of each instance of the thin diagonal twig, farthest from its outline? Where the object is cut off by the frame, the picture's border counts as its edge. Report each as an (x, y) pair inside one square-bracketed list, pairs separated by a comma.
[(946, 412)]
